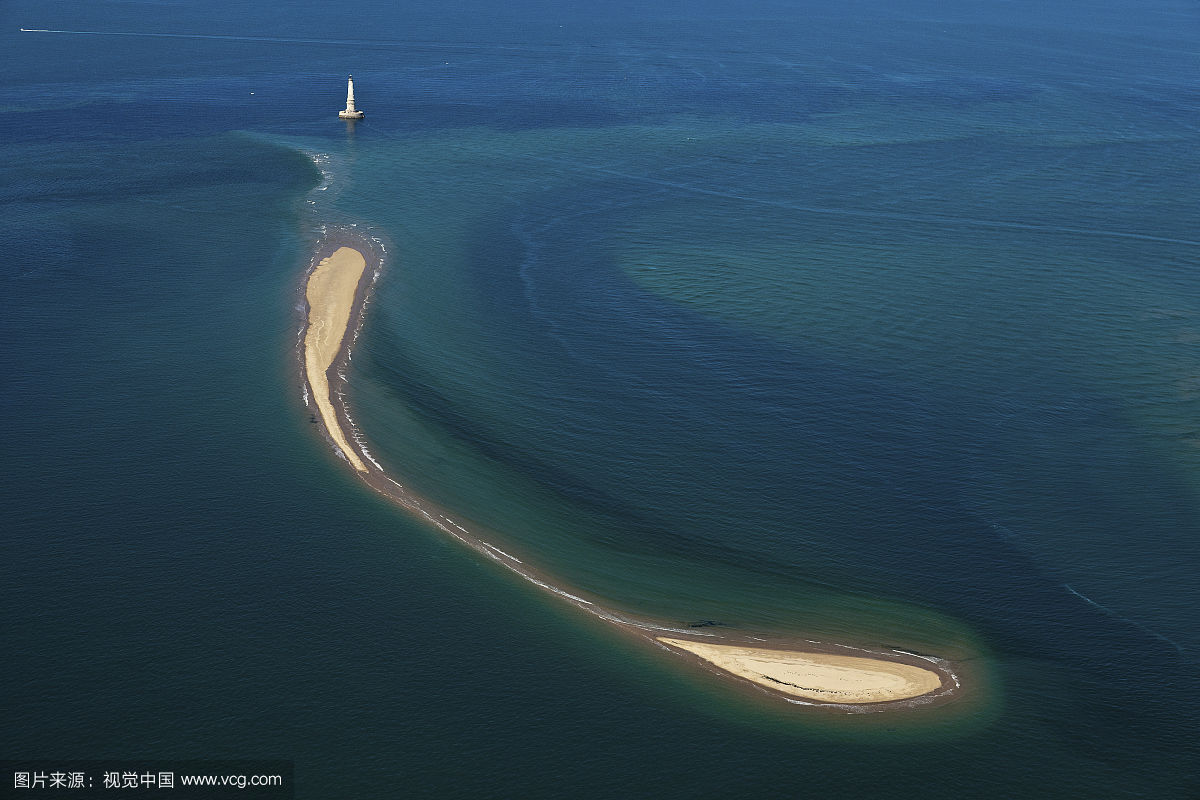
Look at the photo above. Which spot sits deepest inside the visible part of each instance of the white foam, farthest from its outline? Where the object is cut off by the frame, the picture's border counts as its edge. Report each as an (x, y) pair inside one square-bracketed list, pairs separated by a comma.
[(493, 547), (570, 596), (367, 455), (554, 589), (684, 631), (918, 655)]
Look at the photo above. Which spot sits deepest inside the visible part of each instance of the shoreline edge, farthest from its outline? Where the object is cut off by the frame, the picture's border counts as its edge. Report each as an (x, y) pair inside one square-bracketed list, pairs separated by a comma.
[(335, 293)]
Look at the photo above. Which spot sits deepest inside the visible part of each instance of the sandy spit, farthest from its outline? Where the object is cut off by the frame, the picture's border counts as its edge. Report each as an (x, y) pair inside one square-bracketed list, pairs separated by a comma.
[(337, 291), (331, 290), (823, 677)]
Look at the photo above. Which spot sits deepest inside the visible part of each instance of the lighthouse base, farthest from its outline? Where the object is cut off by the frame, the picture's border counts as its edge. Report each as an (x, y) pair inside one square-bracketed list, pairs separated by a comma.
[(351, 114)]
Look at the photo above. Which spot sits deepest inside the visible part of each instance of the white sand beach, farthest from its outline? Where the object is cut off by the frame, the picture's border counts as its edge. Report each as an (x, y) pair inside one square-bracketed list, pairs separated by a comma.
[(330, 292), (822, 677)]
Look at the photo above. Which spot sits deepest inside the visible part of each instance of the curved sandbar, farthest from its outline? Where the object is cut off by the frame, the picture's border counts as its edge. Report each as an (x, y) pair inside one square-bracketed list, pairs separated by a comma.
[(331, 290), (337, 290), (823, 677)]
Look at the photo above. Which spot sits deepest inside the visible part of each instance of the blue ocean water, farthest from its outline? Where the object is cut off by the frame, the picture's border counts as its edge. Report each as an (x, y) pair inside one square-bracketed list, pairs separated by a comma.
[(872, 321)]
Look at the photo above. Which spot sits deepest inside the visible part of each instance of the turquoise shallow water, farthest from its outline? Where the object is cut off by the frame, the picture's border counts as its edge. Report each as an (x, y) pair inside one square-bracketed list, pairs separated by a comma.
[(878, 324)]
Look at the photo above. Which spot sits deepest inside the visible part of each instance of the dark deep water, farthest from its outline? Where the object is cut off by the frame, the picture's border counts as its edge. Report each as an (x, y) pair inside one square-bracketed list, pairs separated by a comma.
[(873, 321)]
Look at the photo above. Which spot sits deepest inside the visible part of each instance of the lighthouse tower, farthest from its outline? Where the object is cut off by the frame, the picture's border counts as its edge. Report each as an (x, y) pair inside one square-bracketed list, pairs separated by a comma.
[(350, 112)]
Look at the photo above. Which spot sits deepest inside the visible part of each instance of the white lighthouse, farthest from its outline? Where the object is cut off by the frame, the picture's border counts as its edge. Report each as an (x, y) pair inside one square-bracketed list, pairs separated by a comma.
[(350, 112)]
